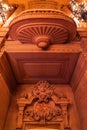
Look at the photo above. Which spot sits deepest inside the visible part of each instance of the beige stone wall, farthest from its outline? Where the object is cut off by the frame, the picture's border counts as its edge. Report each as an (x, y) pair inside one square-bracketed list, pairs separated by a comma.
[(66, 89), (4, 101)]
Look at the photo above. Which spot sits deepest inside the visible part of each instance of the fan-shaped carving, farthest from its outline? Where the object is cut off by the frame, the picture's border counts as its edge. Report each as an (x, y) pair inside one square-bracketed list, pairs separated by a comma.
[(42, 28), (28, 33)]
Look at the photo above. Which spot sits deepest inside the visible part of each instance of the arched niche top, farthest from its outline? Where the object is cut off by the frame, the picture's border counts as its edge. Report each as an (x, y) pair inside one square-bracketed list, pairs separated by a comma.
[(43, 28)]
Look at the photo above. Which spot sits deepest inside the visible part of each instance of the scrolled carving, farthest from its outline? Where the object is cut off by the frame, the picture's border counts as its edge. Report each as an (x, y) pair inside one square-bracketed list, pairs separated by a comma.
[(43, 91), (43, 105)]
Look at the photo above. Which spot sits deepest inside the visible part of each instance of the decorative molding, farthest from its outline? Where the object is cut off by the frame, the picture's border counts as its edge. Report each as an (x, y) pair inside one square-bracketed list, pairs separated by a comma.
[(42, 27), (17, 46), (45, 4), (27, 66), (43, 106)]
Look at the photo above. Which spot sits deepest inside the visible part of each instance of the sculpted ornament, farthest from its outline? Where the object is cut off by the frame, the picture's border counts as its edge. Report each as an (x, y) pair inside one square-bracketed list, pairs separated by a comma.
[(43, 27), (43, 106)]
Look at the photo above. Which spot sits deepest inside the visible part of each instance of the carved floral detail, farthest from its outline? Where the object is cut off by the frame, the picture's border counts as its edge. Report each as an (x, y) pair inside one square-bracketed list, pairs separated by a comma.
[(43, 91), (43, 106)]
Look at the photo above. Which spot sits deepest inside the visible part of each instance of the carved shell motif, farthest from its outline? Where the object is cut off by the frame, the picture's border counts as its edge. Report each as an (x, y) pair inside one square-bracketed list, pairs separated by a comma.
[(42, 27)]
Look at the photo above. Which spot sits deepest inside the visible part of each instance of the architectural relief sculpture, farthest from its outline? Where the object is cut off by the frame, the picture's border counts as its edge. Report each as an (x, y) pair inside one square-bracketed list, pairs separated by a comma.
[(43, 107), (42, 24)]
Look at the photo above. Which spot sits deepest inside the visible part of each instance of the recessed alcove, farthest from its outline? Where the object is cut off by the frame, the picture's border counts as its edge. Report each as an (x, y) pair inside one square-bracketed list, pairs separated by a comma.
[(13, 109), (43, 45)]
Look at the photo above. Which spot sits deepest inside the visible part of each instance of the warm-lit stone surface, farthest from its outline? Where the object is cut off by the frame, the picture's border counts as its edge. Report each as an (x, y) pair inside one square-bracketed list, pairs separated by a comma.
[(79, 71), (13, 109), (81, 101), (6, 71), (60, 64), (34, 26), (30, 64), (79, 85), (3, 36), (4, 101)]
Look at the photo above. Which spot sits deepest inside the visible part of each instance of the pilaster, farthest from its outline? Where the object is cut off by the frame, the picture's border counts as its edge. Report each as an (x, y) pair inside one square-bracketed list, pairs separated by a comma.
[(6, 72), (79, 71)]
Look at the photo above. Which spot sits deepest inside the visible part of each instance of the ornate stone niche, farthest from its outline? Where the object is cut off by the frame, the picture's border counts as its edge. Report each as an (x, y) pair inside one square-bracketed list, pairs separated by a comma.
[(43, 109)]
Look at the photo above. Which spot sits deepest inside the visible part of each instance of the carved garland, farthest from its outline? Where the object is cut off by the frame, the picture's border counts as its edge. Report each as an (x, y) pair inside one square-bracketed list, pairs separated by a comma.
[(43, 106)]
